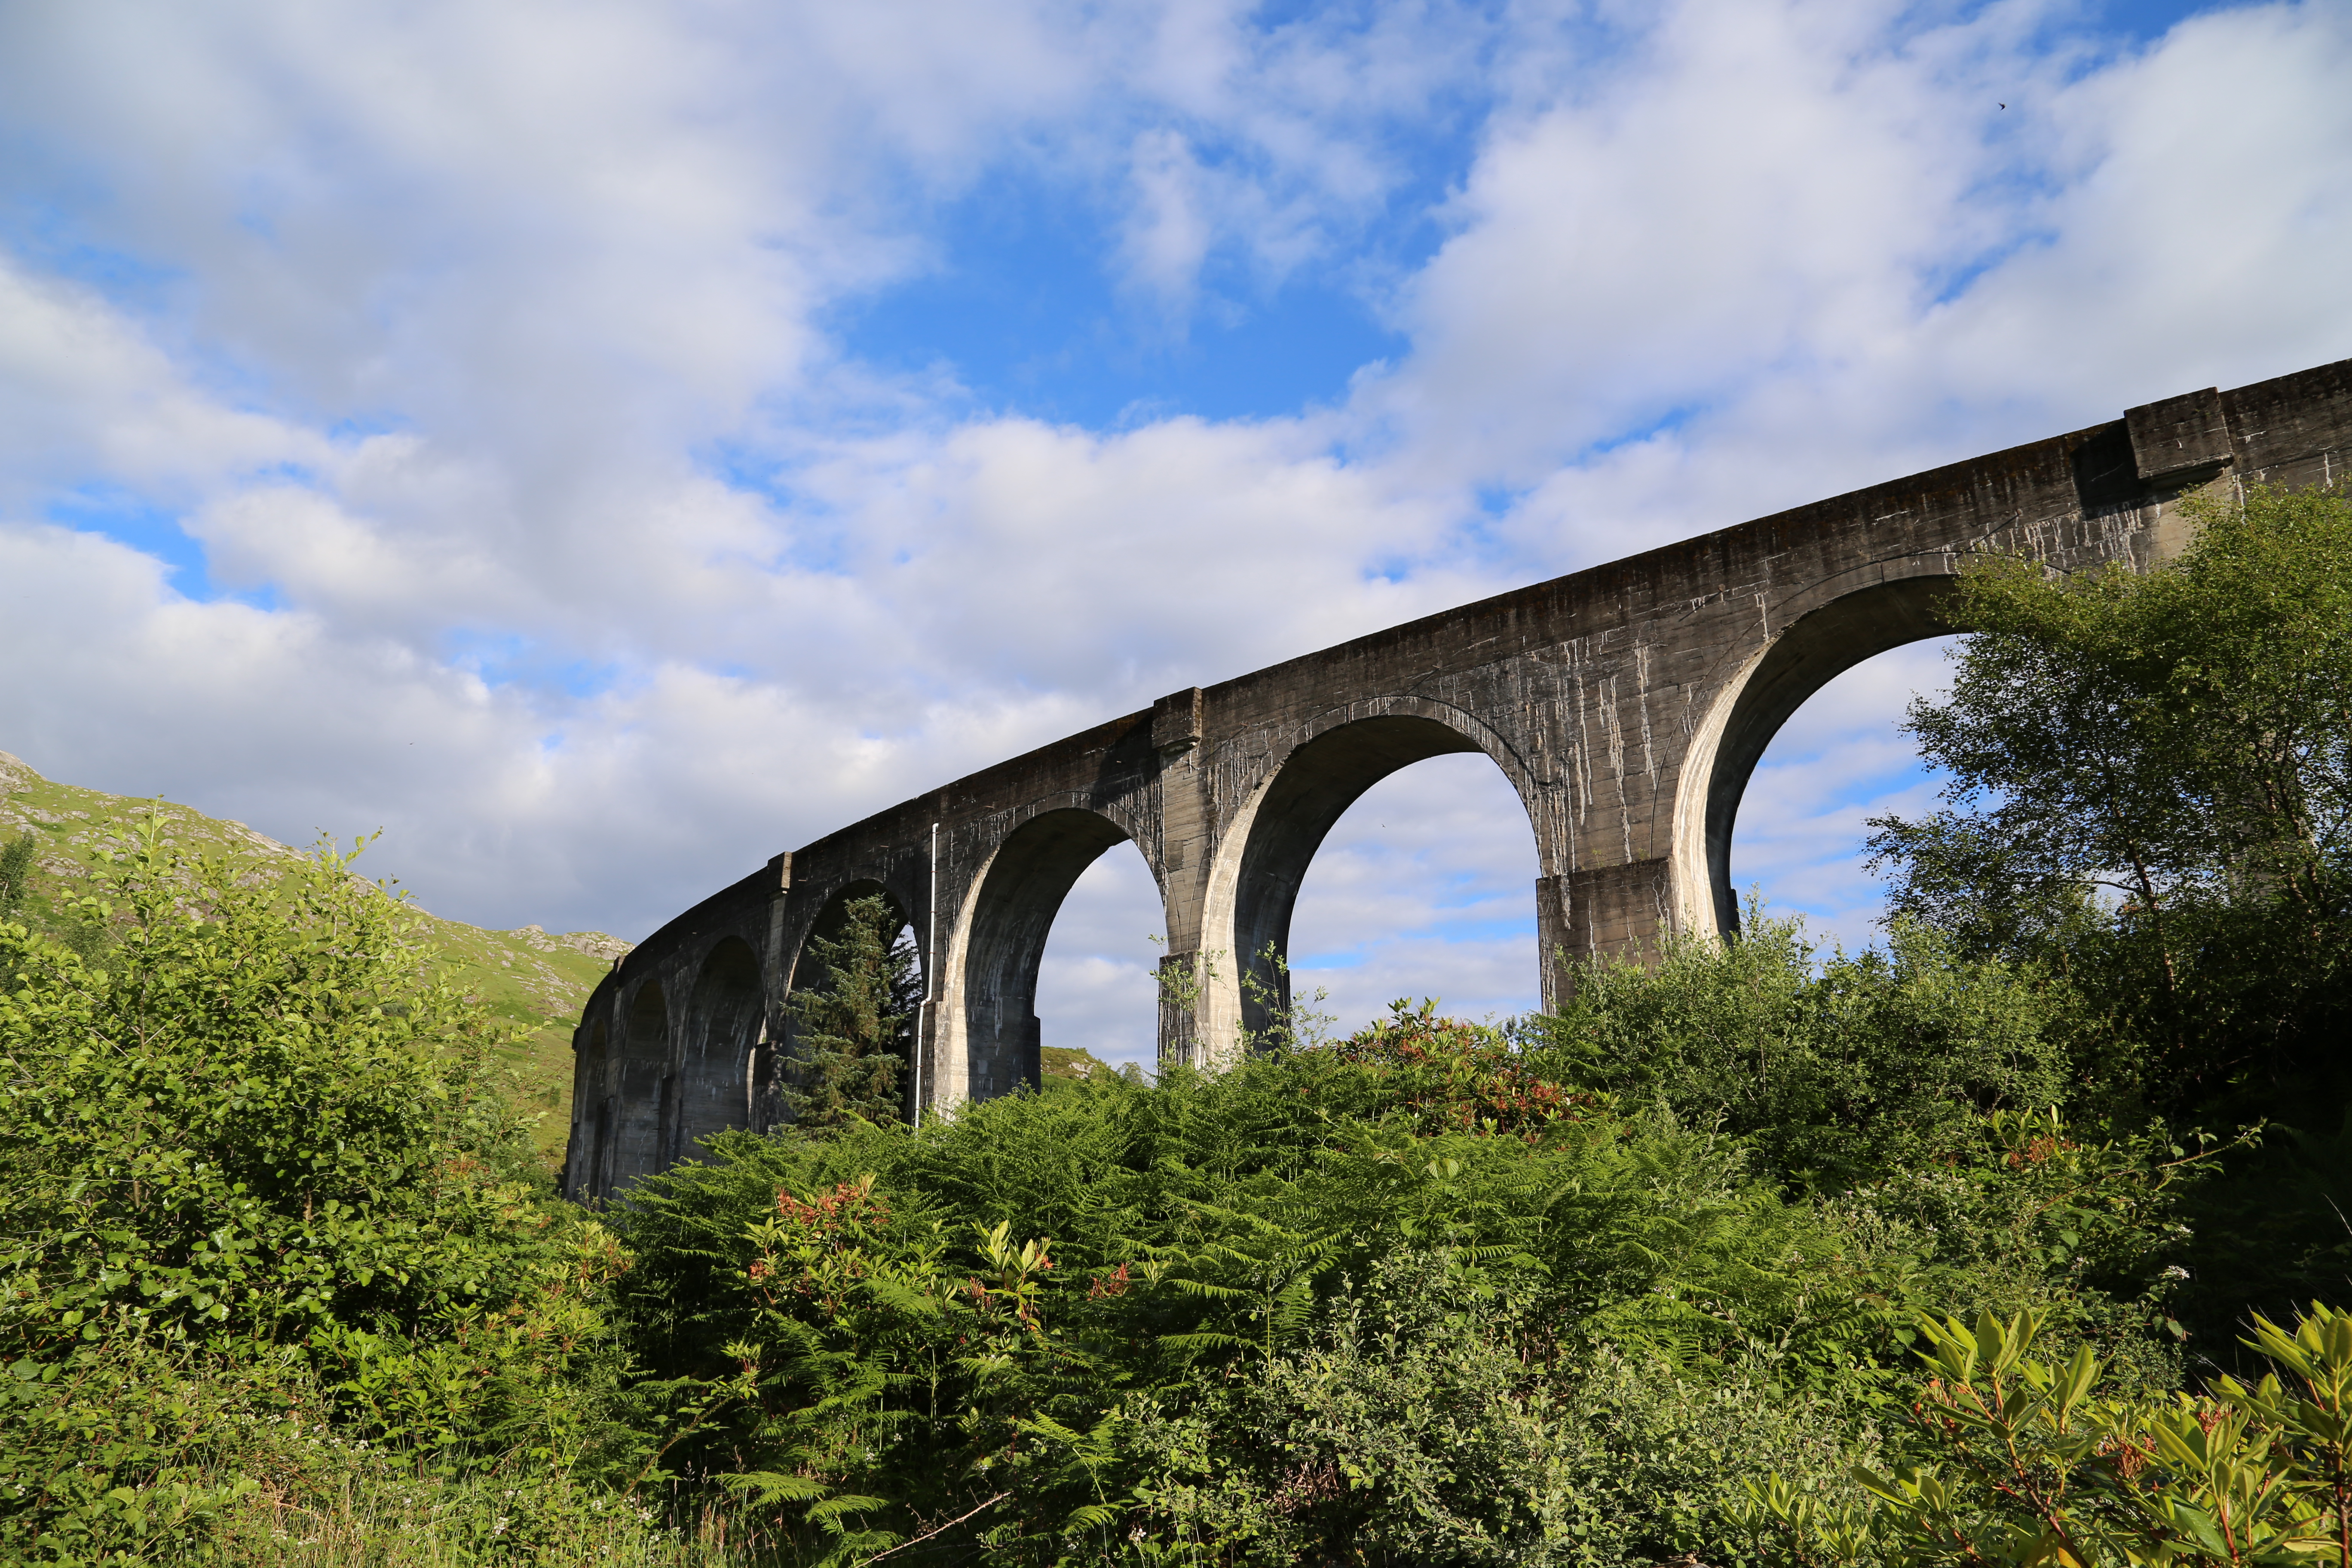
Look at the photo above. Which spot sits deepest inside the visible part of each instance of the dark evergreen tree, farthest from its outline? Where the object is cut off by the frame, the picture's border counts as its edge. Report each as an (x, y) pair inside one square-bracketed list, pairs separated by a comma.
[(855, 1026)]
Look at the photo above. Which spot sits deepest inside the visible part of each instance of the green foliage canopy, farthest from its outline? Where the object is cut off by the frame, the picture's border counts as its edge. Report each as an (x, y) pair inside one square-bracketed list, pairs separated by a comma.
[(255, 1149), (15, 871), (2150, 787), (1122, 1313), (1837, 1069)]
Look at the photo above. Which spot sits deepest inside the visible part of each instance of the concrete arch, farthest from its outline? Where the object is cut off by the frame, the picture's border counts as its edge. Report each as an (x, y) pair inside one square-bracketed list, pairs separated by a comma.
[(645, 1089), (1830, 628), (800, 969), (724, 1025), (992, 984), (592, 1107), (1253, 887)]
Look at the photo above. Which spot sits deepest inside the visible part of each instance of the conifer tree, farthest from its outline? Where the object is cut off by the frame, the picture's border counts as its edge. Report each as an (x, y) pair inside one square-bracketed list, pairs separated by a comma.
[(856, 1025)]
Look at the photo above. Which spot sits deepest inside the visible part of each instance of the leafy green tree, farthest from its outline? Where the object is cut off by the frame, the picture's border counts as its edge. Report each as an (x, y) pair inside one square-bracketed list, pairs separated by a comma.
[(2150, 791), (15, 872), (1836, 1069), (854, 1027), (254, 1169)]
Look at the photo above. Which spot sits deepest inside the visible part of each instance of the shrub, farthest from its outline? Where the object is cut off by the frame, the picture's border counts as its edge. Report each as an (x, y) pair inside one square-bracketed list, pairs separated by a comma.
[(1834, 1071), (2030, 1461), (254, 1164), (1014, 1328), (1410, 1425)]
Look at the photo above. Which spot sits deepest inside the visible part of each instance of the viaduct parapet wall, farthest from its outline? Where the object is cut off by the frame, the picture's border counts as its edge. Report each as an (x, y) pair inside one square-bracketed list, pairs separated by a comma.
[(1627, 704)]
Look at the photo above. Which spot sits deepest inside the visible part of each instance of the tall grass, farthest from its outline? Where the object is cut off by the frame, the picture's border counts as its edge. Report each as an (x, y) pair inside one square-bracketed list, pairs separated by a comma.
[(383, 1515)]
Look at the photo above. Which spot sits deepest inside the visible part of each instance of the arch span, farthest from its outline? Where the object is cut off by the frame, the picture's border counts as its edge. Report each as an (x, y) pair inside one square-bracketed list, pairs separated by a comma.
[(804, 971), (1011, 913), (801, 968), (1294, 811), (1820, 644), (725, 1024), (588, 1152), (645, 1089)]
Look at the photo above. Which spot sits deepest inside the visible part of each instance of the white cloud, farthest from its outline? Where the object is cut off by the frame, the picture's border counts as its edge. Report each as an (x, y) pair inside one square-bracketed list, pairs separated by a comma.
[(1168, 235), (84, 394), (1839, 761), (1425, 889), (452, 331), (1096, 985)]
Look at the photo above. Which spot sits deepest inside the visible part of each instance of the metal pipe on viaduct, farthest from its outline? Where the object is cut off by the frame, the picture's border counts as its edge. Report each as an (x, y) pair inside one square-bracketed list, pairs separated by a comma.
[(1627, 705)]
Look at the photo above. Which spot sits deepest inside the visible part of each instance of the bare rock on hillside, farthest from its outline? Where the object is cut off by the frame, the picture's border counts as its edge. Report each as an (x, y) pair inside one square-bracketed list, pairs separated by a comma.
[(260, 841), (594, 943)]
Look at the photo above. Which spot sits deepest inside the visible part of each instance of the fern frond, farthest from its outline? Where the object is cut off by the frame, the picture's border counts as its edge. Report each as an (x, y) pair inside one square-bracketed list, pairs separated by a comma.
[(1207, 1339), (766, 1487)]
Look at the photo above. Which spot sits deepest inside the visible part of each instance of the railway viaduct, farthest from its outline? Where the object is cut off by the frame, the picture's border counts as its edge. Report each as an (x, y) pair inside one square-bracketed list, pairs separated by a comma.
[(1627, 705)]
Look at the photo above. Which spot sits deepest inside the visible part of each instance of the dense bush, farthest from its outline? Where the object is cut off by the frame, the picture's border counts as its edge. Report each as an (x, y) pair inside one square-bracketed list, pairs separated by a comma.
[(1835, 1069), (2034, 1462), (254, 1175), (2149, 790), (1402, 1299), (1410, 1425)]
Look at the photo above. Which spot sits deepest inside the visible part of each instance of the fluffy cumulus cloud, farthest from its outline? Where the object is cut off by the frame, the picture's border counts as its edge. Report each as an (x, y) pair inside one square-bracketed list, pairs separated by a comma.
[(603, 443)]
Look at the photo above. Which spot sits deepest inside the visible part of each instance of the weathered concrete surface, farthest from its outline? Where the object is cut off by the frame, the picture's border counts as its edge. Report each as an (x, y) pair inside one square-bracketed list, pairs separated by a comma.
[(1626, 704)]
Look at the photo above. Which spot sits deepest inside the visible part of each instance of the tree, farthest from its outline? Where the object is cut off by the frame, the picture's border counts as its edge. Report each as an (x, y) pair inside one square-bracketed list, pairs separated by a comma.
[(2150, 787), (15, 872), (857, 1025), (256, 1161)]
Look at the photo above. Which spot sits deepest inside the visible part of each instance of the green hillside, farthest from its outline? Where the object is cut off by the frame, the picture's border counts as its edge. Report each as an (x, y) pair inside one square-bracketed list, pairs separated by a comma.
[(530, 977), (533, 977), (1072, 1064)]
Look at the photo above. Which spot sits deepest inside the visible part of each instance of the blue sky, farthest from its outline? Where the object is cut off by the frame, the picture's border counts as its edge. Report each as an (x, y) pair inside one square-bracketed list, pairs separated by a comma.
[(605, 443)]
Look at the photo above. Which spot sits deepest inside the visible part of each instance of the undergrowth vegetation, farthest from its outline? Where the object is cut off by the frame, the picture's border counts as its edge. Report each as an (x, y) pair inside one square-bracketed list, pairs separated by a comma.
[(1993, 1246)]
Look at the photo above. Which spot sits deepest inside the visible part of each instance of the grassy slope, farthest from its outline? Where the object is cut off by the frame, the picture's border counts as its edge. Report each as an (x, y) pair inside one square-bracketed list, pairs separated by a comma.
[(1073, 1063), (527, 976)]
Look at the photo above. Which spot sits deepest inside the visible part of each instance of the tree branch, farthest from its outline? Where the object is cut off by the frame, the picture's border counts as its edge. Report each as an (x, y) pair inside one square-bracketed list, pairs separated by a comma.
[(936, 1529)]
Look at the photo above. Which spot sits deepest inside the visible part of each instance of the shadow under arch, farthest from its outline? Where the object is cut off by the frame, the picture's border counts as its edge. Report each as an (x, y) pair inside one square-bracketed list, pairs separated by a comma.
[(589, 1151), (1296, 810), (643, 1090), (1823, 642), (806, 972), (1013, 913), (723, 1029)]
